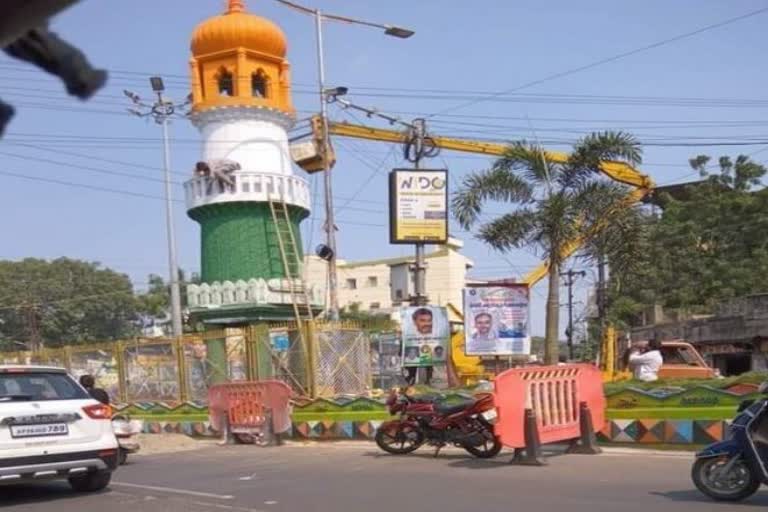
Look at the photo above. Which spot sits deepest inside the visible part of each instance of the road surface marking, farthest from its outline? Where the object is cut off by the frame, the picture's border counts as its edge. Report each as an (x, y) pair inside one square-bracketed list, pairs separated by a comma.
[(176, 491), (249, 477), (224, 507)]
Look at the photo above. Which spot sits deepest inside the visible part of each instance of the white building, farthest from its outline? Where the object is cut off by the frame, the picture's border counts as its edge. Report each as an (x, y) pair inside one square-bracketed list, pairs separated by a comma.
[(385, 284)]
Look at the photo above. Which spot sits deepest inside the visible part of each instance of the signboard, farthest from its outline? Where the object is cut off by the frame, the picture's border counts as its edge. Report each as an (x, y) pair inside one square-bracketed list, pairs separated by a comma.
[(385, 359), (279, 340), (496, 320), (426, 332), (418, 206)]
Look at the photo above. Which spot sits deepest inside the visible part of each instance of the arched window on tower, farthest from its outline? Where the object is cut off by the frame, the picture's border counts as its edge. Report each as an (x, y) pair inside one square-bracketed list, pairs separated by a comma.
[(226, 82), (260, 84)]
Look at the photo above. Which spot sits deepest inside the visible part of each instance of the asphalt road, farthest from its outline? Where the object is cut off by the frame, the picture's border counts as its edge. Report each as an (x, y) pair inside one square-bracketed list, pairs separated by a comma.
[(356, 477)]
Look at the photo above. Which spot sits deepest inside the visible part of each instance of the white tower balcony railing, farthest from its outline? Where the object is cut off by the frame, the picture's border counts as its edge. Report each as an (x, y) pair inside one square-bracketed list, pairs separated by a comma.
[(248, 186)]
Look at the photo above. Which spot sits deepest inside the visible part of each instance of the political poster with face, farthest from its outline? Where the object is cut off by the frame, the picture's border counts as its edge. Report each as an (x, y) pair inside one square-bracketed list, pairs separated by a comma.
[(496, 320), (426, 332)]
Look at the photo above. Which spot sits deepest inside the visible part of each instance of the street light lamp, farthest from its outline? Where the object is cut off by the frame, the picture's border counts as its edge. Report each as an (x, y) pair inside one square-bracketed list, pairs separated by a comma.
[(330, 226), (157, 84), (402, 33)]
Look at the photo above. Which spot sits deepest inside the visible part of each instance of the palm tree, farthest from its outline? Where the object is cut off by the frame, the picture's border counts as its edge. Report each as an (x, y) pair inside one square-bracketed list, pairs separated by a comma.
[(551, 203)]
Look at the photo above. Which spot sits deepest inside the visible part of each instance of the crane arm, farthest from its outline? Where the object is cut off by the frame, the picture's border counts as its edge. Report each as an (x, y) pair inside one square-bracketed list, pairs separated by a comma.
[(540, 272), (617, 171)]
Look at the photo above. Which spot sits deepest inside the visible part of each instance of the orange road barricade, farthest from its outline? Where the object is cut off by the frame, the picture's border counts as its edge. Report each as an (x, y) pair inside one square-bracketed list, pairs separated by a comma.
[(549, 404), (255, 412)]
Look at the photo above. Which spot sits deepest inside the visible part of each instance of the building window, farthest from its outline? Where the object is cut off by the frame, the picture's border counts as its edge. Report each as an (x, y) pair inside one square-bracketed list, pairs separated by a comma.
[(352, 284), (399, 294), (226, 83), (373, 281), (374, 305), (259, 84)]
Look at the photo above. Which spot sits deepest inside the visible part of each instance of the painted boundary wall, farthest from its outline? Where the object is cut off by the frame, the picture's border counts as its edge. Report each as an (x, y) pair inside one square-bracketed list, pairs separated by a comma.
[(358, 418)]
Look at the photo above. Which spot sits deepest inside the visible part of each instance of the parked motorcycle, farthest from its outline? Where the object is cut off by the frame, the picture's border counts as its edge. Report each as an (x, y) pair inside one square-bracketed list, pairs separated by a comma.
[(734, 469), (429, 420), (125, 431)]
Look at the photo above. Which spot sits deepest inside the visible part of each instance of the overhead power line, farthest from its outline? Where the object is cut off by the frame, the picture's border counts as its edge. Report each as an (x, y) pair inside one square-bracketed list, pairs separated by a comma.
[(96, 188), (606, 60)]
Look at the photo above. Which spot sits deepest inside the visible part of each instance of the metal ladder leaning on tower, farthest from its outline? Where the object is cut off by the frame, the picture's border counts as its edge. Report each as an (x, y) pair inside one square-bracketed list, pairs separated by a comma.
[(289, 254)]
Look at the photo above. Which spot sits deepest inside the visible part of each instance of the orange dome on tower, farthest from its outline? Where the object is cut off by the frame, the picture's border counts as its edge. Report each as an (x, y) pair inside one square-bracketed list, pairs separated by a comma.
[(237, 28), (238, 60)]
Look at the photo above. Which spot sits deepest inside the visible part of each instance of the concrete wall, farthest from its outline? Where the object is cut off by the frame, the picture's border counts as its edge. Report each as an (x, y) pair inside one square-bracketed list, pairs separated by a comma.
[(740, 326)]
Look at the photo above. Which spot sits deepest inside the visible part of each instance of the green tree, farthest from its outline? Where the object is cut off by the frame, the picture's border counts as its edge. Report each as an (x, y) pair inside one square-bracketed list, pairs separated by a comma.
[(64, 301), (709, 244), (550, 204), (155, 302), (371, 320)]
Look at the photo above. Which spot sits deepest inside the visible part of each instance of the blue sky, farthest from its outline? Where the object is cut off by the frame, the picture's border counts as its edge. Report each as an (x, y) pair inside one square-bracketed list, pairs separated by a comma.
[(465, 47)]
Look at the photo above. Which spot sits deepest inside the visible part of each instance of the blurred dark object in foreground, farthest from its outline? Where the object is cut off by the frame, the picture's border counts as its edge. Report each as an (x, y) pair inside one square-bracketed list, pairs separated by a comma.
[(24, 35)]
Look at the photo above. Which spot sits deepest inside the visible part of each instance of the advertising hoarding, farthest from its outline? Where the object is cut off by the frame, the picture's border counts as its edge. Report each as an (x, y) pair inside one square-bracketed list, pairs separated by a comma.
[(426, 333), (418, 206), (496, 320)]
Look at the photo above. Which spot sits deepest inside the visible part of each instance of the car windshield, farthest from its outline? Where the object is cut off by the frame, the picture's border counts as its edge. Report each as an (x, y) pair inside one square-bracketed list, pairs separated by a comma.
[(677, 355), (39, 386)]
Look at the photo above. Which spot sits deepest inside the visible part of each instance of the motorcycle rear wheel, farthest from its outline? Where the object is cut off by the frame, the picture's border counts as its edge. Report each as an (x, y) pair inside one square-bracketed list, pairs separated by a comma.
[(487, 450), (739, 484), (401, 440)]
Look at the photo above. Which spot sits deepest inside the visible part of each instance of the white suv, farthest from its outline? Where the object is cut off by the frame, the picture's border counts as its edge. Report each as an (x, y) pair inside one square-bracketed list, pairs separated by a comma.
[(50, 428)]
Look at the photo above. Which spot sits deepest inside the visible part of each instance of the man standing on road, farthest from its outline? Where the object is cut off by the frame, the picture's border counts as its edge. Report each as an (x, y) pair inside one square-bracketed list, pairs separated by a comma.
[(646, 365), (89, 383)]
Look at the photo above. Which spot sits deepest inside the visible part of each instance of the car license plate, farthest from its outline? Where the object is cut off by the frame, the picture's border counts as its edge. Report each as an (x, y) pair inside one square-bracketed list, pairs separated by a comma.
[(490, 415), (49, 429)]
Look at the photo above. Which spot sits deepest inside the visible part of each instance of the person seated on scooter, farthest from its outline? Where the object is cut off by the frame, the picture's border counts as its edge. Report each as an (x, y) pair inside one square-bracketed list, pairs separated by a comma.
[(89, 383), (646, 364)]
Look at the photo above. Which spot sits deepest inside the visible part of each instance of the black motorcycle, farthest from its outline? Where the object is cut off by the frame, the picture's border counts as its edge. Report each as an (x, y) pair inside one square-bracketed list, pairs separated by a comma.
[(734, 469)]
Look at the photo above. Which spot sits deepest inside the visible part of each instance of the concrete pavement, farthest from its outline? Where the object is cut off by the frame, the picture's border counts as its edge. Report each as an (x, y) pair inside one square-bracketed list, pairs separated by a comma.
[(357, 477)]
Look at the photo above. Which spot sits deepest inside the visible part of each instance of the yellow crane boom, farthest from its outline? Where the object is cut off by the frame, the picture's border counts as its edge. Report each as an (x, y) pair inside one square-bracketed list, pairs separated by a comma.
[(618, 171)]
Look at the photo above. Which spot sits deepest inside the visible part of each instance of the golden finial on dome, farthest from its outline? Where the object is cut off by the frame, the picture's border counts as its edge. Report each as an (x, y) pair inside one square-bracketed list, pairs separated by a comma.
[(236, 6)]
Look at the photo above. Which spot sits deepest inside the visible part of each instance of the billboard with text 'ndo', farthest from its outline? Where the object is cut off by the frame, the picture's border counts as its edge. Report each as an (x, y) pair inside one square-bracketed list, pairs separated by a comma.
[(418, 206)]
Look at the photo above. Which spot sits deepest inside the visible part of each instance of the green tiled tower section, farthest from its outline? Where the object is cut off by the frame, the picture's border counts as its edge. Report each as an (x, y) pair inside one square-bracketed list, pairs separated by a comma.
[(239, 241)]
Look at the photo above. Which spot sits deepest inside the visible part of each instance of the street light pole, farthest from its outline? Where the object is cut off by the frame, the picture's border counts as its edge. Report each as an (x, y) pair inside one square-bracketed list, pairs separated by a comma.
[(173, 267), (161, 110), (330, 225)]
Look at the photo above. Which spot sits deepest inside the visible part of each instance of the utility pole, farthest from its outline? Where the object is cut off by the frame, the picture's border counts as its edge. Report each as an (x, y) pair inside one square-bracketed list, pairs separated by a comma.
[(34, 340), (161, 110), (601, 308), (420, 278), (571, 276)]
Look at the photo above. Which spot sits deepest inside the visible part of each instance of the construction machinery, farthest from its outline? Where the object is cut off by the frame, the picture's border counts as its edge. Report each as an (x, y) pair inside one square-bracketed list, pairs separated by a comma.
[(309, 156)]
